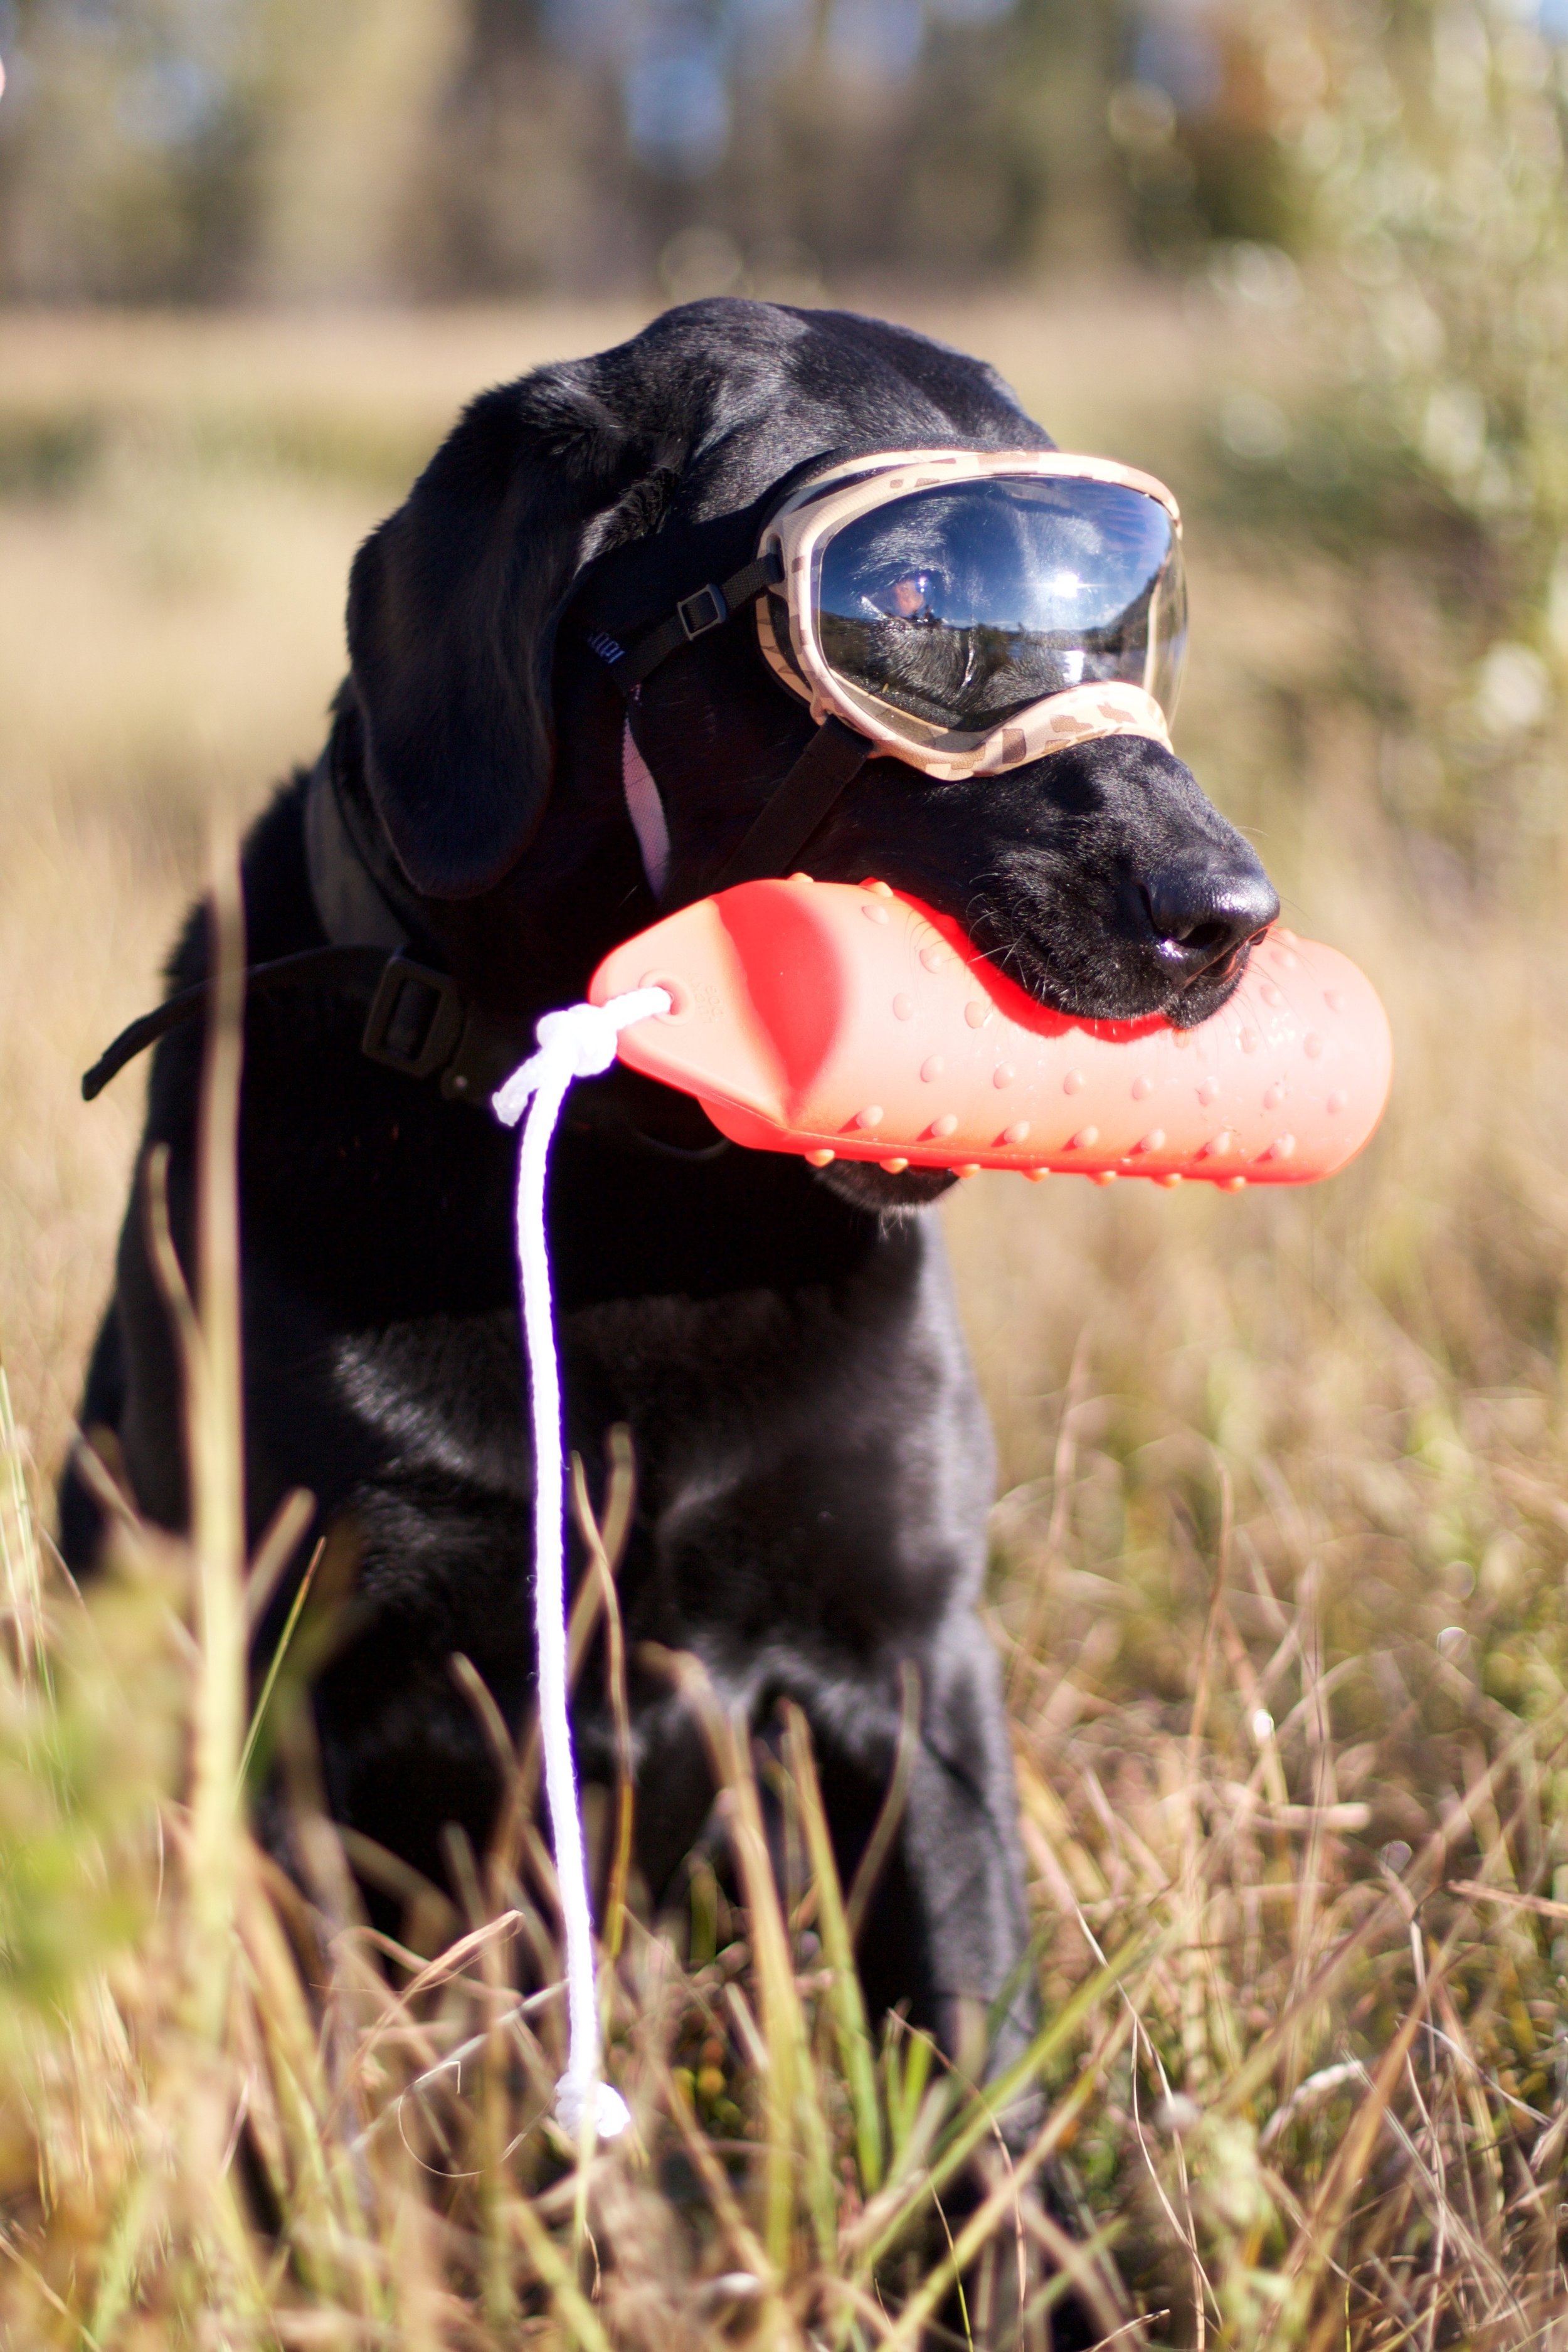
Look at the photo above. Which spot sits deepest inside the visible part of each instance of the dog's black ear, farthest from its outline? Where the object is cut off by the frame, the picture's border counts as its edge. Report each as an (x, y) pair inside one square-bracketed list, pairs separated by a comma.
[(453, 603)]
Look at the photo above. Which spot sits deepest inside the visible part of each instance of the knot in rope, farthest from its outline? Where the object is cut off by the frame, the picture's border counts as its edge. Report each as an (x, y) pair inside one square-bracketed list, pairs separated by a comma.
[(577, 1042)]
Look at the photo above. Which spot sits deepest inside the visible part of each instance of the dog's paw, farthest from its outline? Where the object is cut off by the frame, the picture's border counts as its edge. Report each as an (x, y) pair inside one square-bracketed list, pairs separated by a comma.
[(865, 1186)]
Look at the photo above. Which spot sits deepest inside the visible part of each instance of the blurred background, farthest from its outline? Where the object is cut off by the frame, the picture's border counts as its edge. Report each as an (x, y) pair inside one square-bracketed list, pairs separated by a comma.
[(223, 150), (1306, 258), (217, 151)]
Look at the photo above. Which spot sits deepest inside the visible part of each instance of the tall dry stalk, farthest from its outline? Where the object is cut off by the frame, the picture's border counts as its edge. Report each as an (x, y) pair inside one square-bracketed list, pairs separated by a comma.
[(215, 1443)]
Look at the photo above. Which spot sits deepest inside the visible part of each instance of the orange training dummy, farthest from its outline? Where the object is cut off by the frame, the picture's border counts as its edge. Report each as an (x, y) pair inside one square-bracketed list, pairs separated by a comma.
[(853, 1022)]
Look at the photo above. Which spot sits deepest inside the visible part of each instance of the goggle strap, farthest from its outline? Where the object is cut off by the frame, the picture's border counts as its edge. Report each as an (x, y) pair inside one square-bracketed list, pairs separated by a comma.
[(707, 608), (832, 759)]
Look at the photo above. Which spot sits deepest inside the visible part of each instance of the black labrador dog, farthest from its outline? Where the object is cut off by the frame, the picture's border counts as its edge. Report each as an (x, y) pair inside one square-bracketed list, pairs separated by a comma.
[(815, 1466)]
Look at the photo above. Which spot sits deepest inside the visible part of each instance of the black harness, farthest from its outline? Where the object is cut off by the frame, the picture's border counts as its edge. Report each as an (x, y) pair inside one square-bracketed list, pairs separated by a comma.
[(419, 1023), (832, 759)]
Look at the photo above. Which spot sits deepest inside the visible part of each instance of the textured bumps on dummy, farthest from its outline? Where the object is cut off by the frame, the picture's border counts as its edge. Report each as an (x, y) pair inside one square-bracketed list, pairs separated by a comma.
[(852, 1021)]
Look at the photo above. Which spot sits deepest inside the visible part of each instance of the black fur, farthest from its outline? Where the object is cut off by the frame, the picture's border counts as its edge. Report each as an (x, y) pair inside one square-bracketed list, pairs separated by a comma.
[(814, 1464)]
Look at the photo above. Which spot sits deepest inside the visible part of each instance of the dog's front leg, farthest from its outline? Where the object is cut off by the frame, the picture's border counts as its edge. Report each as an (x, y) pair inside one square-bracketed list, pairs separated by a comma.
[(959, 1848)]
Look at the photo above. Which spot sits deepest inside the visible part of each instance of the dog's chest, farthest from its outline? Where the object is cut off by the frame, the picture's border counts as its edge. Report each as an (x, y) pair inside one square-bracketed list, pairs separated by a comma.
[(784, 1440)]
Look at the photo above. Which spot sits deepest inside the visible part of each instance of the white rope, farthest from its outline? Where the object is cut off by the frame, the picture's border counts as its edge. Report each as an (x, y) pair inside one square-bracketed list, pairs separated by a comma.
[(578, 1043)]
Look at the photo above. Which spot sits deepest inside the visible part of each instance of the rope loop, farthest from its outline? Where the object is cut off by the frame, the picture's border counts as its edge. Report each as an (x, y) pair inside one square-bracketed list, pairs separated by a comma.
[(577, 1042)]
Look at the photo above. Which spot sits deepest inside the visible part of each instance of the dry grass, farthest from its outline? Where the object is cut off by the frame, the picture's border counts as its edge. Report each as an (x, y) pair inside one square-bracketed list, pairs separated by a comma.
[(1278, 1572)]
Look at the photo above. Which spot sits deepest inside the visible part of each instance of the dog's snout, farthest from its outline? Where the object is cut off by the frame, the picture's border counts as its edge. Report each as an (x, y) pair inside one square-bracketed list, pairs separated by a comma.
[(1202, 912)]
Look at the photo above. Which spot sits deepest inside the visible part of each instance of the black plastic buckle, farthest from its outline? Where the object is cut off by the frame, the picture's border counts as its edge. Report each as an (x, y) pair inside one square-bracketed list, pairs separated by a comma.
[(400, 1031), (702, 611)]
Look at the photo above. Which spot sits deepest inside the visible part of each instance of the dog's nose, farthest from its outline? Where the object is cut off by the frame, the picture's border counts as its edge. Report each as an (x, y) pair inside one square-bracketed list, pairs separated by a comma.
[(1202, 912)]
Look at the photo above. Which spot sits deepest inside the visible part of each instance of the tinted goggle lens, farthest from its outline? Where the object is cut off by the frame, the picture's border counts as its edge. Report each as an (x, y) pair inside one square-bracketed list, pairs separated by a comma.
[(959, 606)]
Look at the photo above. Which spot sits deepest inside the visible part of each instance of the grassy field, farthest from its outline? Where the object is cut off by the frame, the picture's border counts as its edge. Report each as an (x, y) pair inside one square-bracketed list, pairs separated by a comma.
[(1279, 1580)]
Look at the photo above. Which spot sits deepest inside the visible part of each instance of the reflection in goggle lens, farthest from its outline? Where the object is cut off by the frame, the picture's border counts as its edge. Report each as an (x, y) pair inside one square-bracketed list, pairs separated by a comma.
[(962, 607)]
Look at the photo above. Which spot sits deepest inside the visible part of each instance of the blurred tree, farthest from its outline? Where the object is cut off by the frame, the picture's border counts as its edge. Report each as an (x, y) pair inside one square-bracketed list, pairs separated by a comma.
[(1429, 146), (343, 103), (1192, 118), (126, 150), (1436, 154), (201, 148), (194, 149), (1398, 205), (530, 187)]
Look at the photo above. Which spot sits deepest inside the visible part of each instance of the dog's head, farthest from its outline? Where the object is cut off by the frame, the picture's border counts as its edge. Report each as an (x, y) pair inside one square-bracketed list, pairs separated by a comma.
[(582, 502)]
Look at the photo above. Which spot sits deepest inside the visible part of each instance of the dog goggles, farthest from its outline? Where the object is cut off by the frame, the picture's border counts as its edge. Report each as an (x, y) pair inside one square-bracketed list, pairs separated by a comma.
[(966, 613), (972, 612)]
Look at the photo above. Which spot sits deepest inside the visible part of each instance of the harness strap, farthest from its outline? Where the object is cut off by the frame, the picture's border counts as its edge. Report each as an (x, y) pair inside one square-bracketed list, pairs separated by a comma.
[(832, 759), (419, 1023), (357, 903), (707, 608), (343, 967)]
